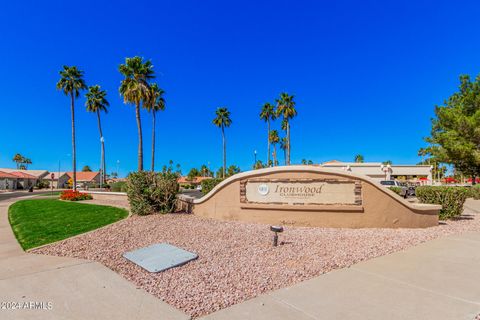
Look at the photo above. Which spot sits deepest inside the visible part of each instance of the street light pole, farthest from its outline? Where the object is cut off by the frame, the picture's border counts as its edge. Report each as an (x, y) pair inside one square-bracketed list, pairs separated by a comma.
[(255, 163)]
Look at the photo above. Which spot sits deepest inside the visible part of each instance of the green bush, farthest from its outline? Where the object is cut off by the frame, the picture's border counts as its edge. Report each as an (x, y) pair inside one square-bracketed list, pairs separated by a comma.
[(120, 186), (475, 192), (397, 190), (209, 184), (451, 199), (150, 192), (43, 184)]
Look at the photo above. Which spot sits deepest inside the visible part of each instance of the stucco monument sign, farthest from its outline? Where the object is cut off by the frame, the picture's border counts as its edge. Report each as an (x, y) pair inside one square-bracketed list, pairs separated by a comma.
[(310, 196), (301, 191)]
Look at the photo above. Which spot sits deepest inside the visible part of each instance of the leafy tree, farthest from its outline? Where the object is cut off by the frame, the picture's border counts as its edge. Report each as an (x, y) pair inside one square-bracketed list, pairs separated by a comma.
[(388, 162), (96, 103), (359, 158), (155, 103), (206, 172), (114, 175), (232, 170), (135, 89), (307, 162), (222, 120), (455, 134), (71, 83), (274, 139), (86, 169), (286, 109), (259, 165), (267, 114), (193, 174), (22, 167)]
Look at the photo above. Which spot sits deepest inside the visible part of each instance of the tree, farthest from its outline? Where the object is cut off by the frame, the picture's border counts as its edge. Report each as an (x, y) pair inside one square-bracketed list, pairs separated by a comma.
[(26, 162), (455, 137), (97, 102), (359, 158), (307, 162), (18, 158), (232, 170), (222, 120), (155, 103), (283, 146), (259, 165), (388, 162), (193, 174), (274, 139), (135, 89), (86, 169), (267, 114), (286, 109), (71, 83), (114, 174), (206, 172)]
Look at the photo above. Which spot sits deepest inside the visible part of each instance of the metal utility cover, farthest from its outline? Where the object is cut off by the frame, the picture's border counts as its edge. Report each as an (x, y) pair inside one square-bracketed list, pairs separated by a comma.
[(159, 257)]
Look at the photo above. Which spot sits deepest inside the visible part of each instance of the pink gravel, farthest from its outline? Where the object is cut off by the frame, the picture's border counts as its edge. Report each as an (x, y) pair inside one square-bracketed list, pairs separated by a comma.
[(236, 260)]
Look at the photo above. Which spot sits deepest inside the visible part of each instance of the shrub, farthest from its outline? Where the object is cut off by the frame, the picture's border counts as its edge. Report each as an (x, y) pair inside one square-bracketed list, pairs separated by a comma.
[(120, 186), (451, 199), (71, 195), (475, 192), (209, 184), (397, 190), (41, 184), (150, 192)]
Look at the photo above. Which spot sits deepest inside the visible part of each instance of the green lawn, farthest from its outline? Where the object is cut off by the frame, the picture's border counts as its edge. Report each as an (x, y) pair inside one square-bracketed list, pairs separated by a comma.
[(41, 221), (54, 193)]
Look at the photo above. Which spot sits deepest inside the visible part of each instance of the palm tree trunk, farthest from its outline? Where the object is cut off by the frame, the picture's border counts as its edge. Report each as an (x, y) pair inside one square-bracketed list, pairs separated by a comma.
[(140, 137), (288, 143), (104, 169), (274, 155), (74, 153), (224, 152), (268, 140), (153, 141)]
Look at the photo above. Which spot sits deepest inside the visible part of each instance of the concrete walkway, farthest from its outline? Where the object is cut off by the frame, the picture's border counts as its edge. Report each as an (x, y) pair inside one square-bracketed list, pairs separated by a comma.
[(439, 279), (76, 289)]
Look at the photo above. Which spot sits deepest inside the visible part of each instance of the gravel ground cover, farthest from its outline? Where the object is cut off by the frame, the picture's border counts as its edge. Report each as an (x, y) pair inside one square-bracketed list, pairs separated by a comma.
[(236, 260)]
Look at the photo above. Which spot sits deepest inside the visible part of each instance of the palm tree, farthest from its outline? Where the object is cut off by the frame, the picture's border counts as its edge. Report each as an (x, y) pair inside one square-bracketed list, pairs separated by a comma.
[(286, 109), (274, 139), (222, 120), (135, 89), (359, 158), (71, 83), (97, 102), (283, 146), (26, 162), (18, 158), (155, 103), (267, 114)]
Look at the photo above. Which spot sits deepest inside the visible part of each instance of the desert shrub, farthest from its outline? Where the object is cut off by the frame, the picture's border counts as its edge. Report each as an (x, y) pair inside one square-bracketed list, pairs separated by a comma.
[(451, 199), (42, 184), (150, 192), (71, 195), (397, 190), (474, 192), (120, 186), (209, 184)]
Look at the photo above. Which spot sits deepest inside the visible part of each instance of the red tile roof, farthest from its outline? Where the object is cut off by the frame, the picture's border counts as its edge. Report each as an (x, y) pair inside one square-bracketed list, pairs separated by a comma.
[(7, 175), (84, 176), (195, 180), (22, 175)]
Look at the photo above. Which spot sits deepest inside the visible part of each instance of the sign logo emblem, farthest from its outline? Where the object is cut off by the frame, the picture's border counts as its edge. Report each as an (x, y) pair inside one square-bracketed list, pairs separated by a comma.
[(263, 189)]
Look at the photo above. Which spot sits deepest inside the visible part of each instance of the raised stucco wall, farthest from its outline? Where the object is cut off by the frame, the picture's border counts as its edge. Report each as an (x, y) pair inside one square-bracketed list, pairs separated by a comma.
[(379, 207)]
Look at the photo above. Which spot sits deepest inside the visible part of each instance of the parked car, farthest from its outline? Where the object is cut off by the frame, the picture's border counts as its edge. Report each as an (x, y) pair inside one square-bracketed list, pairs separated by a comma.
[(393, 183)]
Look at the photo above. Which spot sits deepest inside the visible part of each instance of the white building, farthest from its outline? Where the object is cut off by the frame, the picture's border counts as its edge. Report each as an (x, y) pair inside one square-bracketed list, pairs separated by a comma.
[(377, 171)]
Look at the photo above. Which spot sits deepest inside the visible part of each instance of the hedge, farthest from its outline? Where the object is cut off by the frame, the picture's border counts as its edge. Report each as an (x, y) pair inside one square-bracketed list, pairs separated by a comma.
[(209, 184), (150, 192), (397, 190), (451, 199)]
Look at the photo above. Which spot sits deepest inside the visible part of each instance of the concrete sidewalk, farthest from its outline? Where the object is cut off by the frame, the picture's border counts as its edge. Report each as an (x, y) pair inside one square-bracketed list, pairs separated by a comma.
[(76, 289)]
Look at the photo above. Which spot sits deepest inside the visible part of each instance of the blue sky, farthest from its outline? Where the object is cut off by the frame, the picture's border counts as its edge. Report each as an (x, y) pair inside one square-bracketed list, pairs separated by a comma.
[(366, 76)]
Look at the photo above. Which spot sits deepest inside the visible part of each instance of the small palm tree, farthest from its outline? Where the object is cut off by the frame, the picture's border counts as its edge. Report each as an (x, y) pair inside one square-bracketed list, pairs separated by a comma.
[(135, 89), (286, 109), (18, 158), (274, 139), (267, 114), (155, 103), (71, 83), (97, 102), (26, 162), (222, 120), (359, 158)]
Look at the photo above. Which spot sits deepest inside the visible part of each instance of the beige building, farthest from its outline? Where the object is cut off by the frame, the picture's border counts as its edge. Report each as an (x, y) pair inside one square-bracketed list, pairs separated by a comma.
[(21, 179), (414, 173)]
